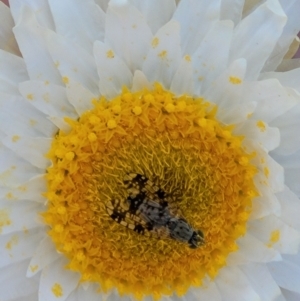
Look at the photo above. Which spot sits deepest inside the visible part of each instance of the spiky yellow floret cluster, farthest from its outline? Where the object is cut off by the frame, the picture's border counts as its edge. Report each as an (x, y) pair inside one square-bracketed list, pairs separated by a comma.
[(177, 143)]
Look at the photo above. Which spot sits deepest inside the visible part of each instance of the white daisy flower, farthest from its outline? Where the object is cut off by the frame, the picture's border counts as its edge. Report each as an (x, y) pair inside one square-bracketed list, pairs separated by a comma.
[(149, 150)]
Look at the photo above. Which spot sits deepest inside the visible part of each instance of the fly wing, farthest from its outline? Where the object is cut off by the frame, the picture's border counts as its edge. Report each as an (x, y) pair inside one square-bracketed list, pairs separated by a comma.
[(138, 185), (124, 217)]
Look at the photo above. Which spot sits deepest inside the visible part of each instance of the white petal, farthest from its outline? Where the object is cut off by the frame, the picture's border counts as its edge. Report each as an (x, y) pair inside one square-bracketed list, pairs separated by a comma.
[(31, 149), (260, 132), (73, 62), (288, 65), (114, 295), (127, 32), (182, 82), (10, 216), (291, 165), (290, 296), (37, 59), (235, 113), (287, 240), (13, 169), (208, 291), (232, 10), (256, 35), (90, 294), (34, 296), (288, 123), (262, 282), (16, 247), (289, 79), (140, 81), (103, 4), (45, 254), (252, 250), (272, 99), (56, 275), (18, 117), (14, 284), (78, 21), (80, 97), (223, 91), (156, 12), (270, 172), (265, 204), (48, 98), (292, 178), (287, 272), (60, 123), (234, 285), (292, 9), (210, 60), (290, 208), (7, 39), (195, 17), (107, 62), (31, 190), (164, 56), (39, 7), (13, 71)]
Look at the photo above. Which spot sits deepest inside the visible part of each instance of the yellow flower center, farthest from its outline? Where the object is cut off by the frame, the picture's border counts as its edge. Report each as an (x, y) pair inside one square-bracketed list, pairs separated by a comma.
[(179, 145)]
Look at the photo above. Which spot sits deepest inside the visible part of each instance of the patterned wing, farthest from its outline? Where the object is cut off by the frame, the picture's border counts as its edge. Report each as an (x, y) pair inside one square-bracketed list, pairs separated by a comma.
[(139, 184), (126, 218), (134, 222)]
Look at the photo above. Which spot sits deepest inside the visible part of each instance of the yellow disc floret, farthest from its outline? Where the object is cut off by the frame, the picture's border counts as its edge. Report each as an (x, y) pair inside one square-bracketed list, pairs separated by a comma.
[(178, 143)]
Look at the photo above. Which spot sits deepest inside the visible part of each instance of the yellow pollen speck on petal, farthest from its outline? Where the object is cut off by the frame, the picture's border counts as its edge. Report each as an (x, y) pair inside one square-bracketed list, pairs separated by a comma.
[(32, 122), (4, 219), (235, 80), (29, 96), (137, 110), (155, 42), (266, 172), (274, 238), (9, 196), (70, 156), (163, 54), (57, 290), (13, 241), (261, 125), (34, 268), (110, 54), (188, 58), (65, 80), (15, 138), (111, 124)]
